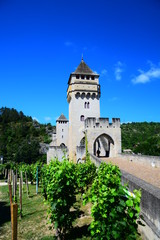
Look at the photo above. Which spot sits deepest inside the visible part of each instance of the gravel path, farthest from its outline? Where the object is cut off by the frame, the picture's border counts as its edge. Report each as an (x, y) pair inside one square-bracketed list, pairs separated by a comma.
[(146, 173)]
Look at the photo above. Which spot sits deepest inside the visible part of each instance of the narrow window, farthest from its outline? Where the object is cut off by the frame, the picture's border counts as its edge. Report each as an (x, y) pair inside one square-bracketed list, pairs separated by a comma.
[(62, 130), (82, 117), (82, 76), (77, 77), (88, 105), (87, 77), (62, 136), (92, 77), (85, 105)]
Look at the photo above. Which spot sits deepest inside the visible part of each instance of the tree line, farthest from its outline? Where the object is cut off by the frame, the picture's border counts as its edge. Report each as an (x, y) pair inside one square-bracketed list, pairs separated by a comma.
[(141, 137), (20, 137)]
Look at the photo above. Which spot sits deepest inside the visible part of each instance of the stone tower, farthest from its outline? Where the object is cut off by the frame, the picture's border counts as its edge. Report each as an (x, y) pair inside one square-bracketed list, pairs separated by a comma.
[(83, 95), (62, 131)]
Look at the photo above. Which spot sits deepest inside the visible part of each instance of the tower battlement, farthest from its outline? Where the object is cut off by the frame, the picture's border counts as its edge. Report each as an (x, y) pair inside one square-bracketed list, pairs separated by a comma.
[(101, 123)]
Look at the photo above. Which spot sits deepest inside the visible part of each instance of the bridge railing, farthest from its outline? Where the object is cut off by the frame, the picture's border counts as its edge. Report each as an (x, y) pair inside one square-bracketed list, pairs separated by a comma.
[(150, 201)]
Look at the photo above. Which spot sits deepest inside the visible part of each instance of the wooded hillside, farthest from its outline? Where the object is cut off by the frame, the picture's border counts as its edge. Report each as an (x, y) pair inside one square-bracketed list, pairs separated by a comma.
[(141, 137), (21, 136)]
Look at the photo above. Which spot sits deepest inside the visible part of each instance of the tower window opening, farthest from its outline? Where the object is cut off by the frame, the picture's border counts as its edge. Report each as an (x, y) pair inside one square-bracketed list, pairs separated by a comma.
[(77, 77), (82, 76), (92, 77), (62, 130), (62, 136), (82, 117), (86, 105), (87, 77)]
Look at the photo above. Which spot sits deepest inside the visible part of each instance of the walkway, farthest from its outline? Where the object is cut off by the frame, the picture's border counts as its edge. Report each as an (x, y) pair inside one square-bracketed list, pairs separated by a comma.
[(146, 173)]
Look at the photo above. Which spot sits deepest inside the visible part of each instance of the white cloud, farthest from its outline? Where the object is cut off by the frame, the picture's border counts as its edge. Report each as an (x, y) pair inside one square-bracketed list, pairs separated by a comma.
[(47, 119), (68, 43), (119, 68), (144, 77), (103, 72)]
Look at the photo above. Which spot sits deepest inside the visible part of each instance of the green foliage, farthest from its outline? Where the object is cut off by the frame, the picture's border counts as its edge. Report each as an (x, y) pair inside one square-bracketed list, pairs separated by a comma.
[(86, 173), (114, 211), (114, 214), (141, 138), (87, 152), (20, 137), (61, 187)]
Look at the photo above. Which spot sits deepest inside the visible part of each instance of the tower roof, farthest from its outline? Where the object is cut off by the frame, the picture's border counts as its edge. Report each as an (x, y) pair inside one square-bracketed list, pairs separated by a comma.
[(62, 118), (83, 68)]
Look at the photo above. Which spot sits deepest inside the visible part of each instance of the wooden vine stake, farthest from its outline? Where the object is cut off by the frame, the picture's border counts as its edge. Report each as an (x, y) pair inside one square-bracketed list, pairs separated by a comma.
[(14, 222), (16, 180), (27, 185), (14, 186), (37, 181), (22, 180), (5, 173), (20, 196), (10, 189)]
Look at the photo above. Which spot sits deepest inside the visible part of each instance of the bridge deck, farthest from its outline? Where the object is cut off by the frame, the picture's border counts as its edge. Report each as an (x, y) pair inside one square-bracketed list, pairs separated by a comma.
[(146, 173)]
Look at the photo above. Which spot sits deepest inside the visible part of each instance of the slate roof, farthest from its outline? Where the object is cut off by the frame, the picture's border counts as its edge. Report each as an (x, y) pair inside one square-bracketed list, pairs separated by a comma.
[(62, 118), (83, 69)]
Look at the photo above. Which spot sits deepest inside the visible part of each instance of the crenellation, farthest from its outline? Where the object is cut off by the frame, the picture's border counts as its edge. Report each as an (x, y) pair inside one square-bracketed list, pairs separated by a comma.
[(102, 123)]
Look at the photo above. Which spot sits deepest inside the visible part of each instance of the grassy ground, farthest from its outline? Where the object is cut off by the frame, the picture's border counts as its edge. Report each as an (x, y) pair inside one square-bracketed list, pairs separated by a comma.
[(33, 224)]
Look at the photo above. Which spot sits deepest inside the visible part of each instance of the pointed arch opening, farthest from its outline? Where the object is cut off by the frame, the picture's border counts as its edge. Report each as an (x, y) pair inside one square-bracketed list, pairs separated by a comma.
[(62, 145), (102, 144), (82, 142)]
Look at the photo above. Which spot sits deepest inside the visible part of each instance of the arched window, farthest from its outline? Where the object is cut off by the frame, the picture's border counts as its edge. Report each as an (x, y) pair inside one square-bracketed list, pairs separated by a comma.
[(82, 117), (85, 105), (88, 105)]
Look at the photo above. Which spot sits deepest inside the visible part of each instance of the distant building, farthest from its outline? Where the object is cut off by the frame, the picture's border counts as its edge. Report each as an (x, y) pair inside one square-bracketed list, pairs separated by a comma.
[(83, 96)]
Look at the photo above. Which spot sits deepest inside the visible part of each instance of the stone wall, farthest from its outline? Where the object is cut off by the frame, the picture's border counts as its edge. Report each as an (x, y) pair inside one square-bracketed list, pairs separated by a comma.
[(56, 152), (81, 152), (150, 203), (153, 161)]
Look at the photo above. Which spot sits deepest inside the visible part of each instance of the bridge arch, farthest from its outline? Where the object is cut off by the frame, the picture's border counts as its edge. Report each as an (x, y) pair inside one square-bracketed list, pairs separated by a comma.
[(102, 145)]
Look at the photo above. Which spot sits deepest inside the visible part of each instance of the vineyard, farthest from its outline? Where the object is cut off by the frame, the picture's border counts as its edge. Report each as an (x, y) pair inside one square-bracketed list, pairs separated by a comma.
[(64, 200)]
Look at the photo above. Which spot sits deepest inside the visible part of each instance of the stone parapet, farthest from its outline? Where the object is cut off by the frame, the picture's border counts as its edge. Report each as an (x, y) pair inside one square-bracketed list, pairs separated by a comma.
[(153, 161), (101, 123)]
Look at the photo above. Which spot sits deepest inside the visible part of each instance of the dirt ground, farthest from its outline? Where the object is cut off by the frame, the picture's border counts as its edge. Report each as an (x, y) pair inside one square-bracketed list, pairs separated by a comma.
[(147, 173)]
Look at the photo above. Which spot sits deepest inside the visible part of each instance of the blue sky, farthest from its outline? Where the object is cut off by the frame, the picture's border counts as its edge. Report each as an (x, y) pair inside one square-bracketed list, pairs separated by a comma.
[(41, 43)]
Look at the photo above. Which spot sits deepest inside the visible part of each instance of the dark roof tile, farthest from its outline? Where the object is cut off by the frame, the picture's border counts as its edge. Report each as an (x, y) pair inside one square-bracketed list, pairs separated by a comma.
[(83, 69), (62, 118)]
